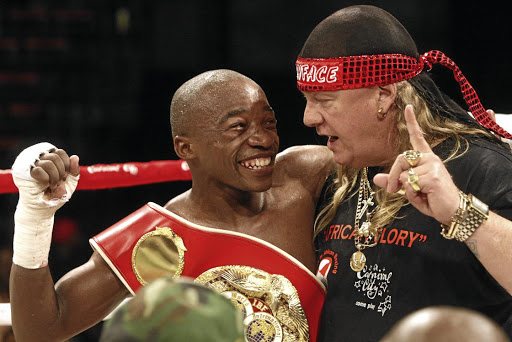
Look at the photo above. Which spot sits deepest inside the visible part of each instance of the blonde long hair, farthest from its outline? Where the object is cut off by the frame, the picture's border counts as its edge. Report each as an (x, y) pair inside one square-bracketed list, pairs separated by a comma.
[(434, 127)]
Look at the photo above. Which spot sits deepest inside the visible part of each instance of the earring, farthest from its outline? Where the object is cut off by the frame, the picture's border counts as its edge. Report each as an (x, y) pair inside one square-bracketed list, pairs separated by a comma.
[(381, 115)]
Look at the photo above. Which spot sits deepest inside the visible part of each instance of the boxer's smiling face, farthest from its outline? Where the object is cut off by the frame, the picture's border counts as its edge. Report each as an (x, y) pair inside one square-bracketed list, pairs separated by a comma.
[(239, 139)]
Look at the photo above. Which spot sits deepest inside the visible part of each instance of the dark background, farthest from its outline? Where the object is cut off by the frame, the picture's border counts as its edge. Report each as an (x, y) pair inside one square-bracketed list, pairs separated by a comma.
[(96, 78)]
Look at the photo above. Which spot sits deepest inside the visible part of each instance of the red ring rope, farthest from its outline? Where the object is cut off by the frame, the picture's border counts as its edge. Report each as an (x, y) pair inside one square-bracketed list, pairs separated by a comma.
[(106, 176)]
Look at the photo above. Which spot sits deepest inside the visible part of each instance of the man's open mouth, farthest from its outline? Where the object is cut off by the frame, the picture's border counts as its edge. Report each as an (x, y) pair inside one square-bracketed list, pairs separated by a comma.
[(256, 163)]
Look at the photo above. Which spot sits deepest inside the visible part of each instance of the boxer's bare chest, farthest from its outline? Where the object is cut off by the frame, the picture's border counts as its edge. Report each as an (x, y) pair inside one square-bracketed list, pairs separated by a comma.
[(285, 220)]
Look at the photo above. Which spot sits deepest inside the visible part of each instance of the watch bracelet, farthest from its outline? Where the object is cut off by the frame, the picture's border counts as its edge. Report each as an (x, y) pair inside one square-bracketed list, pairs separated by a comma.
[(477, 213), (450, 231), (470, 214)]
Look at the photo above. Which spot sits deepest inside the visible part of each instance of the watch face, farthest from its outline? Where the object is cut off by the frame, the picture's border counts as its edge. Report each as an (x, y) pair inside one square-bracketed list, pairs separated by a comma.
[(480, 206)]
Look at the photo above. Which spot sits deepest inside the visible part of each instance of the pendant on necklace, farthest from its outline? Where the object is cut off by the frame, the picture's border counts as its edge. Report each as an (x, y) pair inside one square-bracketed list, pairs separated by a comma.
[(364, 231), (357, 261)]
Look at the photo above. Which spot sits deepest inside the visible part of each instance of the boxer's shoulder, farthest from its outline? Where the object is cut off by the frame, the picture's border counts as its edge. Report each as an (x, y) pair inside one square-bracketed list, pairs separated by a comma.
[(180, 204), (306, 162)]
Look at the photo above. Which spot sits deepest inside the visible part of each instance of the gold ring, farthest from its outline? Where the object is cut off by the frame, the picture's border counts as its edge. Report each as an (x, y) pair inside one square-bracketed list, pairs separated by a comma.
[(413, 180), (412, 157)]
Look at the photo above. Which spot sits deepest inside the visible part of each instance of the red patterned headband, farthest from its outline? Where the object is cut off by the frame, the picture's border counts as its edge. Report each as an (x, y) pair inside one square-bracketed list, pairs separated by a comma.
[(340, 73)]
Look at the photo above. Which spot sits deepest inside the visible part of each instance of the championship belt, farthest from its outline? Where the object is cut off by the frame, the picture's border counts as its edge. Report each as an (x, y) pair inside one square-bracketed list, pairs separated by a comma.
[(280, 297)]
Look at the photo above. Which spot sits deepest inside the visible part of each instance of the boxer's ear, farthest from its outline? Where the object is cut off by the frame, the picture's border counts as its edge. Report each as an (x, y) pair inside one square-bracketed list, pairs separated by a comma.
[(184, 147)]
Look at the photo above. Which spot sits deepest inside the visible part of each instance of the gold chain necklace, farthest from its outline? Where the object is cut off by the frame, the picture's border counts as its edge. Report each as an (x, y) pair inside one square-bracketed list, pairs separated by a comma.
[(366, 235)]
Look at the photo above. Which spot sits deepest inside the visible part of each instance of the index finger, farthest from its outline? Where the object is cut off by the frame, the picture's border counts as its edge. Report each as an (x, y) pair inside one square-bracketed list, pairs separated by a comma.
[(416, 138)]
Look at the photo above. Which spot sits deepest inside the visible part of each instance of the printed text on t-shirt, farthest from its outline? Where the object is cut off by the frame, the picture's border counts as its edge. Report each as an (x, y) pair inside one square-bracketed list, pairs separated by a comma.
[(388, 236)]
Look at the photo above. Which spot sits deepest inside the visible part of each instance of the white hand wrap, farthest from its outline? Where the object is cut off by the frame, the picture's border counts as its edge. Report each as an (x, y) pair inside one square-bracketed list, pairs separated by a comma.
[(33, 219)]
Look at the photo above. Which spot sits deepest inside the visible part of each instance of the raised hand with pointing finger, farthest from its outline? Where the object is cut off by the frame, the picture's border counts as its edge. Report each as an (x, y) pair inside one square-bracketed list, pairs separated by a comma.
[(436, 195)]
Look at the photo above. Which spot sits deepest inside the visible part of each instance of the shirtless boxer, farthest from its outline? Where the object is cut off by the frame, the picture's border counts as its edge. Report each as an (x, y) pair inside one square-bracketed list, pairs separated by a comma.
[(224, 127)]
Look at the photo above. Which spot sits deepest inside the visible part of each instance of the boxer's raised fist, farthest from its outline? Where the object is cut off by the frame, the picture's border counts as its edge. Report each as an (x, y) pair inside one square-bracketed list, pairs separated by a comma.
[(46, 178), (45, 171), (51, 171)]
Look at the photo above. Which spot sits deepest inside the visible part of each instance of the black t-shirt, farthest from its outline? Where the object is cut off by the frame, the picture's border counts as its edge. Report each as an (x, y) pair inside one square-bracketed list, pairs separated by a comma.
[(413, 266)]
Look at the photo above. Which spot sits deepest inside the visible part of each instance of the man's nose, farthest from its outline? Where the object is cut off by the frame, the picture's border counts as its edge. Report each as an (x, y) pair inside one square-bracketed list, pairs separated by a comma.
[(312, 117), (262, 137)]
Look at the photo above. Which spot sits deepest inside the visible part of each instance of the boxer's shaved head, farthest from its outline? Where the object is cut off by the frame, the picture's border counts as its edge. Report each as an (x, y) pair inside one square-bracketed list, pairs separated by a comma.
[(199, 96)]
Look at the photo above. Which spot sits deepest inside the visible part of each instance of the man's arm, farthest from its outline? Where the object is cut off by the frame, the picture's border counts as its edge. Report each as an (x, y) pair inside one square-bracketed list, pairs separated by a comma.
[(439, 198), (491, 245), (46, 178), (80, 299)]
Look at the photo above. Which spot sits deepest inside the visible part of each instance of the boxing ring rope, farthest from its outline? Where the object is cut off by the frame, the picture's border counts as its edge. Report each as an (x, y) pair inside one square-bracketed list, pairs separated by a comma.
[(108, 176)]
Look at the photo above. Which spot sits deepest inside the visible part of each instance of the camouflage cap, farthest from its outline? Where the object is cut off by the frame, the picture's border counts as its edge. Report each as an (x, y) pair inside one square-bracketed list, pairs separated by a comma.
[(175, 310)]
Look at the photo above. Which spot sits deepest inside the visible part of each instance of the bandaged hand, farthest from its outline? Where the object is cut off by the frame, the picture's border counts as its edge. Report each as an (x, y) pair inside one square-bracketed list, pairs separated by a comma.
[(46, 178)]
